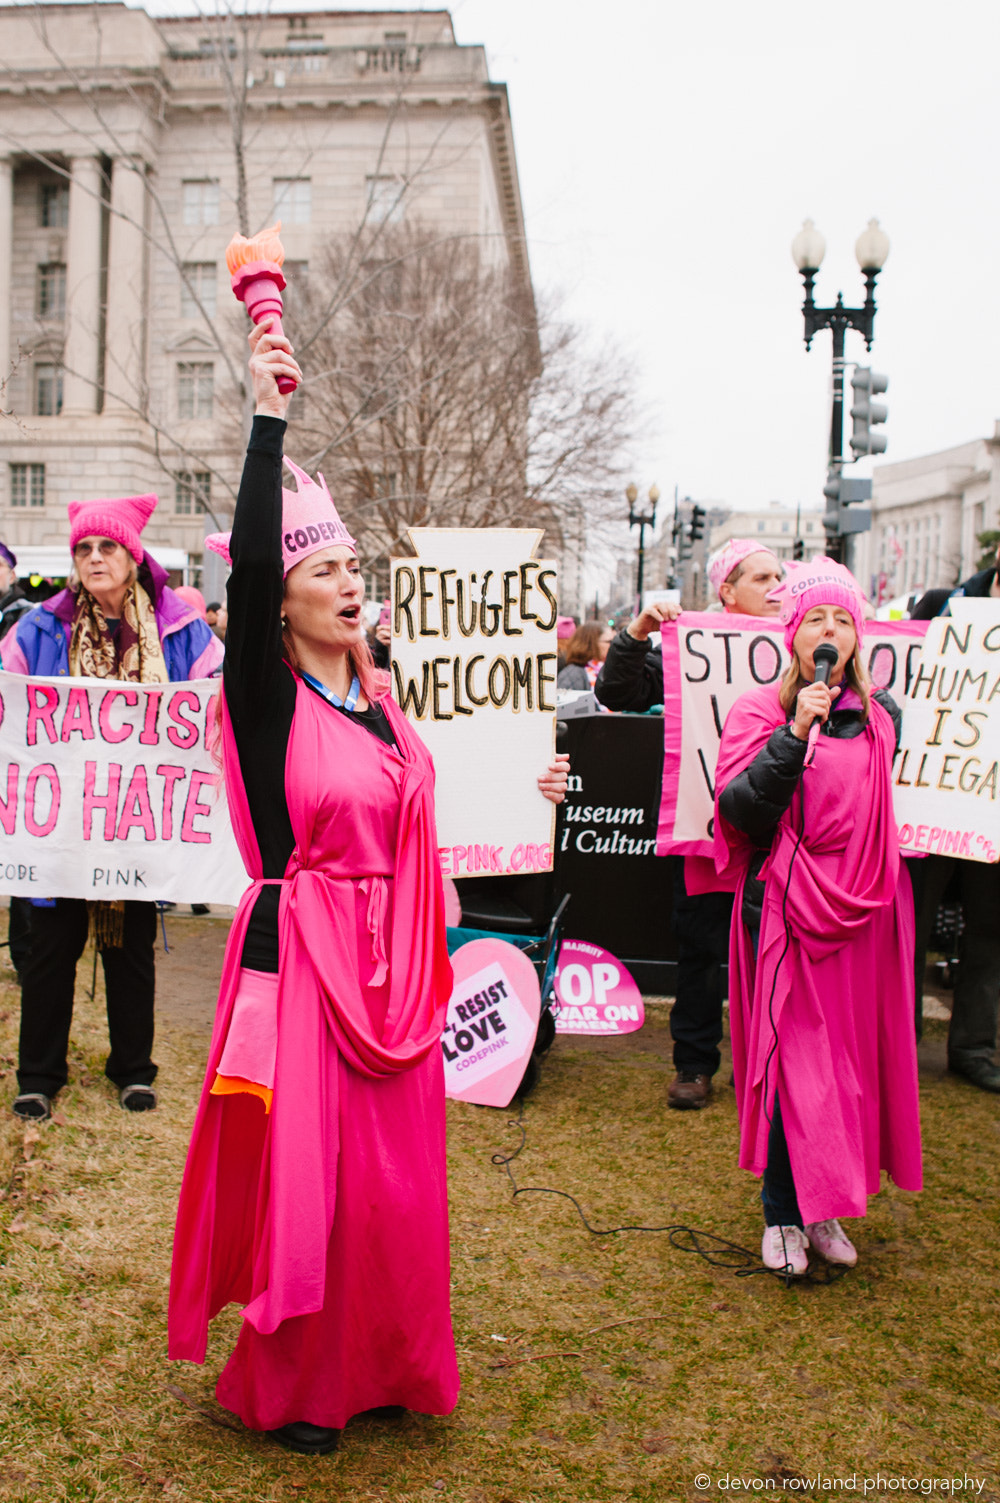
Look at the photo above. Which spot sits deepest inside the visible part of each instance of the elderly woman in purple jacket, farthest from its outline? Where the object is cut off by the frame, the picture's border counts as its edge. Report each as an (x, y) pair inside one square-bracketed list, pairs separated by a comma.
[(117, 619)]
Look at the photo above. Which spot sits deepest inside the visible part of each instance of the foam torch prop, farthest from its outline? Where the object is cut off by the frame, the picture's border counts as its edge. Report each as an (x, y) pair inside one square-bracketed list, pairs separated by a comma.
[(258, 281)]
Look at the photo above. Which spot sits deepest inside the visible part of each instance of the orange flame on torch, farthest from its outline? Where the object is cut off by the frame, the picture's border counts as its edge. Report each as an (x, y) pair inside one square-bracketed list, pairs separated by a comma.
[(265, 246)]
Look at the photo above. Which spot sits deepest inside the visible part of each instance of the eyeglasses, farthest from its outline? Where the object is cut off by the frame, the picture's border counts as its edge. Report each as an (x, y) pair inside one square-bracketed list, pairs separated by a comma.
[(104, 546)]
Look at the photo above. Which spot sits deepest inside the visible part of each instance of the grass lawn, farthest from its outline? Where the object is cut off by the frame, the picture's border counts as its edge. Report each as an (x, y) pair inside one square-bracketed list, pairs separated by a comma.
[(626, 1367)]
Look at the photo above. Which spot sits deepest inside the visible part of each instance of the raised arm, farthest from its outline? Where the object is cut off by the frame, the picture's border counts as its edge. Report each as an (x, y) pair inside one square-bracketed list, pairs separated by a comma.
[(253, 661)]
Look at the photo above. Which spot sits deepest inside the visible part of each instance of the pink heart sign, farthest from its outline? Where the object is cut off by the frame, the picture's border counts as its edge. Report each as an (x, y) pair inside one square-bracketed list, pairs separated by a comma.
[(596, 992), (492, 1022)]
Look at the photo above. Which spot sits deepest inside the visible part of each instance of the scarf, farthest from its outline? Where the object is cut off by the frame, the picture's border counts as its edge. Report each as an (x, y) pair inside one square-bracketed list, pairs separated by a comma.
[(133, 653)]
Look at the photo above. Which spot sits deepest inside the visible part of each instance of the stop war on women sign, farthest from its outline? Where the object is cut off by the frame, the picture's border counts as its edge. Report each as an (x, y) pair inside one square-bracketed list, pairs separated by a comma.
[(107, 790)]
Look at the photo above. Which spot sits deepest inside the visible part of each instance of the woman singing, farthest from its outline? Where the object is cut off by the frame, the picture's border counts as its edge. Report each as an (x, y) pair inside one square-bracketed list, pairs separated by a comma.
[(822, 943), (314, 1192)]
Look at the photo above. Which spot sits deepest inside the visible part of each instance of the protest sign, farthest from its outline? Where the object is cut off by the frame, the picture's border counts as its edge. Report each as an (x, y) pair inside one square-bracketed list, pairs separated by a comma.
[(709, 660), (945, 776), (107, 790), (474, 662), (595, 991), (492, 1022)]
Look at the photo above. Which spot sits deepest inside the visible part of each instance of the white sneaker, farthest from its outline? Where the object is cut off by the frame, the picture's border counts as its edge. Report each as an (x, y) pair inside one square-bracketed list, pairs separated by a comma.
[(784, 1249), (832, 1242)]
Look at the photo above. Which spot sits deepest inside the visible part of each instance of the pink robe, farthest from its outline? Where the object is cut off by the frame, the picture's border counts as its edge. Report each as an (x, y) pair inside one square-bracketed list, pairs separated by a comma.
[(825, 1013), (328, 1217)]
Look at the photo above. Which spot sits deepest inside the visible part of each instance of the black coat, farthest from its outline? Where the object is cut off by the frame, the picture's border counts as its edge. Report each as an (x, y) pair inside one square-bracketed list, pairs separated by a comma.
[(12, 607), (757, 797), (933, 603), (631, 677)]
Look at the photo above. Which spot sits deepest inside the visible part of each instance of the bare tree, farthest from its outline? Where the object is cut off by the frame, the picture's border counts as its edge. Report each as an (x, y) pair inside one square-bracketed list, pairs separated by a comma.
[(438, 396)]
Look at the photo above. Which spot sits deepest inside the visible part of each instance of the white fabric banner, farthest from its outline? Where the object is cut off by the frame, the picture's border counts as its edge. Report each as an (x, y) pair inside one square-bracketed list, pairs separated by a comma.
[(107, 791)]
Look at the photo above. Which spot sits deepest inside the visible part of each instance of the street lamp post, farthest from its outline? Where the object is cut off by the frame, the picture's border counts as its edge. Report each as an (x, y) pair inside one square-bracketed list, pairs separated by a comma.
[(642, 520), (808, 250)]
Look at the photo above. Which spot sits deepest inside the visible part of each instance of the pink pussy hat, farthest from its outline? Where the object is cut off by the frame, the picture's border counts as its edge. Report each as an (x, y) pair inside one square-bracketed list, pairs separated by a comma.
[(309, 522), (821, 581), (122, 520), (724, 561)]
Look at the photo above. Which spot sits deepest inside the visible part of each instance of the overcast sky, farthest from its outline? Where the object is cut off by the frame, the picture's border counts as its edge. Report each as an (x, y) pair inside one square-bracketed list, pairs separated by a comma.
[(668, 153)]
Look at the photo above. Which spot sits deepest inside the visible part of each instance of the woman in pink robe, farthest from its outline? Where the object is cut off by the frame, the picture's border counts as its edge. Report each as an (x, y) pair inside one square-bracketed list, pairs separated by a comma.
[(315, 1192), (822, 942)]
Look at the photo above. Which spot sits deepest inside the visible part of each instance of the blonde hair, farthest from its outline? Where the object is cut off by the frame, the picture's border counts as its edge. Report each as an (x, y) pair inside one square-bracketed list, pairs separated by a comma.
[(855, 673)]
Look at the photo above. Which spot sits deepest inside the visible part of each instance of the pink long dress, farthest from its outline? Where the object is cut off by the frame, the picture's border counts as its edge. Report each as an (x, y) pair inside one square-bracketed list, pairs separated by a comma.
[(825, 1013), (327, 1218)]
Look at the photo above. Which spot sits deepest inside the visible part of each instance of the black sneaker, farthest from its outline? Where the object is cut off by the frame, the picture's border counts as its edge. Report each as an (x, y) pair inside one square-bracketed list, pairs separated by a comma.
[(33, 1106), (308, 1440), (137, 1098)]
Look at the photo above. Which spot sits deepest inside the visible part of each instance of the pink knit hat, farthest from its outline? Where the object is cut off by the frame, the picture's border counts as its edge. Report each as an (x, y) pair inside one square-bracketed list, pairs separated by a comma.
[(122, 520), (309, 522), (821, 581), (724, 560)]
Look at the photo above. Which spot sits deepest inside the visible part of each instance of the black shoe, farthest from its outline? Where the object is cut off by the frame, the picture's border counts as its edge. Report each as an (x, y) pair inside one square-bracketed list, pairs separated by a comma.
[(689, 1090), (980, 1070), (383, 1412), (33, 1106), (200, 908), (137, 1098), (308, 1440)]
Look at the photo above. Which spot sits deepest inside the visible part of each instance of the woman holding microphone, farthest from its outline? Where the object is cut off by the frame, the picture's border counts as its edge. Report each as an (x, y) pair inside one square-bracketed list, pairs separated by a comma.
[(820, 961)]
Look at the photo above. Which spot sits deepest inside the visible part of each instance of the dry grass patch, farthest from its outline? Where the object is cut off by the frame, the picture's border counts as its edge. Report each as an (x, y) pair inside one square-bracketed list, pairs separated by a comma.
[(626, 1368)]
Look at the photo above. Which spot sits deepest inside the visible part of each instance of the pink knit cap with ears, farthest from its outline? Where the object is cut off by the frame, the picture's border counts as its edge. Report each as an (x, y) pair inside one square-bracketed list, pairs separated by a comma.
[(309, 522), (722, 563), (121, 520), (821, 581)]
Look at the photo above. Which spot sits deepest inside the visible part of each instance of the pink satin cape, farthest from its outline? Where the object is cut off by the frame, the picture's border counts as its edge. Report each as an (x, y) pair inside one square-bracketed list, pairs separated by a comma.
[(337, 1201), (825, 1013)]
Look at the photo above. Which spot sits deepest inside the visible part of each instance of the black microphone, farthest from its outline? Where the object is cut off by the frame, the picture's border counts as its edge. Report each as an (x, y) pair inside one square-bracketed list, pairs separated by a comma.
[(825, 659)]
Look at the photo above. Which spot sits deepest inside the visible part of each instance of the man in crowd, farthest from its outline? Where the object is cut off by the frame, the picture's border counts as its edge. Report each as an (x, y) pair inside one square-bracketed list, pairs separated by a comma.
[(972, 1032), (741, 573), (13, 601)]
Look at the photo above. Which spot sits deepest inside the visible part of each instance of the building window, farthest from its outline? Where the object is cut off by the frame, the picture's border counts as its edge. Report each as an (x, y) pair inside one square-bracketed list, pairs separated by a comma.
[(201, 201), (761, 526), (195, 388), (809, 527), (293, 199), (785, 526), (48, 391), (52, 290), (198, 286), (385, 199), (27, 485), (53, 207), (192, 490)]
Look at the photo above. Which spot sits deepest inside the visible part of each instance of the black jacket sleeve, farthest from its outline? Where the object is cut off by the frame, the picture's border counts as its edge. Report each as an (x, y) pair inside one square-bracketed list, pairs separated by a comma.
[(759, 795), (253, 663), (632, 675)]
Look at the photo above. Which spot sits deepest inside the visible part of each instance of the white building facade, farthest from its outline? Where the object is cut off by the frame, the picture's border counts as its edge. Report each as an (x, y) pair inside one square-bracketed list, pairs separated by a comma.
[(123, 346), (926, 516)]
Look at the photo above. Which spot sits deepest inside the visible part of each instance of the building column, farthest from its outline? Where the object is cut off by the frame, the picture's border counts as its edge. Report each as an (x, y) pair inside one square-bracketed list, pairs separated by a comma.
[(83, 288), (125, 339), (6, 259)]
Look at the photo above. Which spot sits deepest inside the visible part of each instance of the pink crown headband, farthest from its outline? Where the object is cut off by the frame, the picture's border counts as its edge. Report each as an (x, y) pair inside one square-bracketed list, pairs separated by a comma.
[(309, 521)]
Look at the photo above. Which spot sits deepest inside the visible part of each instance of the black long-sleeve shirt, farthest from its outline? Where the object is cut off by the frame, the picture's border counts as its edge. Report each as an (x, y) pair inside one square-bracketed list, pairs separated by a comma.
[(260, 686)]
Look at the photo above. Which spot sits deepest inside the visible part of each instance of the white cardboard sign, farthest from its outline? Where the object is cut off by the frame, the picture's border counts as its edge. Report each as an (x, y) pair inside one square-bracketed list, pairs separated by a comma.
[(107, 790), (474, 664), (946, 774)]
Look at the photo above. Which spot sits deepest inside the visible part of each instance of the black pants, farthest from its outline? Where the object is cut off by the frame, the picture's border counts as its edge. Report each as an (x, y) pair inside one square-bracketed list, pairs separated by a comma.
[(701, 925), (58, 937), (972, 1032), (19, 932)]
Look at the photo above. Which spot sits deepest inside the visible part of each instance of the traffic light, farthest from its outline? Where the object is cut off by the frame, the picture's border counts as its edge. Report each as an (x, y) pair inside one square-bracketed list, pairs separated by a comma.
[(798, 550), (844, 515), (697, 522), (866, 413)]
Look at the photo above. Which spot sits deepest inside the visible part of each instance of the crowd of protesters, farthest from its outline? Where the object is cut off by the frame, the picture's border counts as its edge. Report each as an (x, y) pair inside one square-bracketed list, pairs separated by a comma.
[(807, 901)]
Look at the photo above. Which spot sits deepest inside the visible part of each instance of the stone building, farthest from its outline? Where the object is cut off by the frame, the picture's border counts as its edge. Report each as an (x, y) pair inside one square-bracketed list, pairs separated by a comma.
[(926, 516), (119, 192), (776, 526)]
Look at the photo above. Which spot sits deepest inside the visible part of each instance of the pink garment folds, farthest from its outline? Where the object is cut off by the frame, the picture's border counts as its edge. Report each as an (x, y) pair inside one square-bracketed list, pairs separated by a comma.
[(328, 1218), (825, 1013)]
